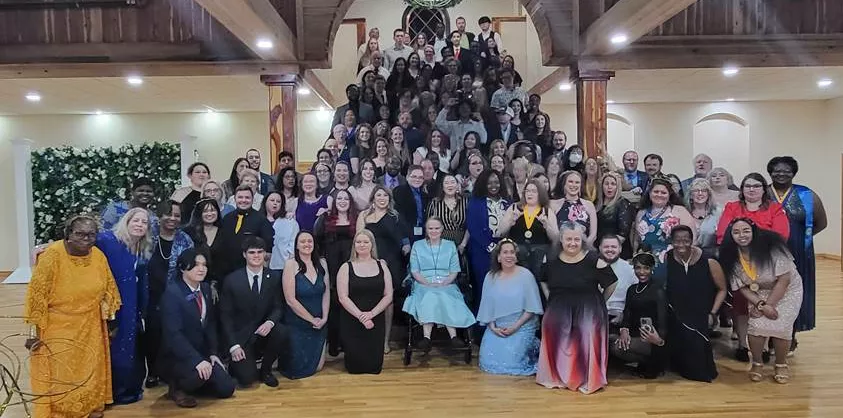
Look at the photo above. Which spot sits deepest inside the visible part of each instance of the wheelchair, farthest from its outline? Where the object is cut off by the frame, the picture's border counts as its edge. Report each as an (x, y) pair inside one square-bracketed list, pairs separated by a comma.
[(463, 282)]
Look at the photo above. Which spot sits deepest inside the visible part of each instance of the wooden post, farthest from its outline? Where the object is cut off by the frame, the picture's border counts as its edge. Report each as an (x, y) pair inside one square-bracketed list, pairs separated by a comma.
[(591, 110), (282, 115)]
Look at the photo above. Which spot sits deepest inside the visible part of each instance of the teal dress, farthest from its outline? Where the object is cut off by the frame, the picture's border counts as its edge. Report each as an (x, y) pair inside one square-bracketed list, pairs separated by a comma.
[(431, 304), (306, 343)]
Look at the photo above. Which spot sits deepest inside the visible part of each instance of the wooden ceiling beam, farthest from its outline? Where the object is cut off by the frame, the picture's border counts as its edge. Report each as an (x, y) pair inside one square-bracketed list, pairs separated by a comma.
[(99, 52), (778, 53), (148, 69), (633, 19), (251, 20), (553, 79), (319, 88)]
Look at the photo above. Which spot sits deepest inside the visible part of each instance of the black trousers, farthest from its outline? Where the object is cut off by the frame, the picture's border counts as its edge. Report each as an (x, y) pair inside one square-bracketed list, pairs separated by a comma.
[(270, 348), (151, 341), (220, 385)]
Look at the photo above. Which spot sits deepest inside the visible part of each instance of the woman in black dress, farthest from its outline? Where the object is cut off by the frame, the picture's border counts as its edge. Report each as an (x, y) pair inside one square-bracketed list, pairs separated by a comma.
[(614, 212), (365, 292), (643, 328), (531, 225), (574, 350), (334, 232), (696, 287), (391, 236), (203, 230)]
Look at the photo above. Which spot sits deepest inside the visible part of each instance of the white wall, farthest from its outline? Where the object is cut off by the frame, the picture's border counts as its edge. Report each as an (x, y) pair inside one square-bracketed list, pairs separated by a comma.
[(220, 137), (806, 130)]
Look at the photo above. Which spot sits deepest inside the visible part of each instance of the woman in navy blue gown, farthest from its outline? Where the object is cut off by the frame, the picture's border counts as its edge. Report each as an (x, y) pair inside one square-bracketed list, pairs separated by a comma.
[(307, 292), (127, 249), (485, 209)]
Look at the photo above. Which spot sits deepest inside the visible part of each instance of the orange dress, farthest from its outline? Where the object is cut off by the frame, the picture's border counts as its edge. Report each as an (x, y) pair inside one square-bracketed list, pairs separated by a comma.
[(69, 299)]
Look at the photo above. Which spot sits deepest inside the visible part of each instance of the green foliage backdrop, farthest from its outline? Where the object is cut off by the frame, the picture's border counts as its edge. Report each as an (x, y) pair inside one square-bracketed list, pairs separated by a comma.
[(67, 181)]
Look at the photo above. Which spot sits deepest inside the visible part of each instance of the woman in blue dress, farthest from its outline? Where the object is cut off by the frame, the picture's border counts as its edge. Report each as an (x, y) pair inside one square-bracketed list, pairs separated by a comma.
[(435, 298), (510, 308), (807, 217), (307, 293), (661, 210), (485, 210), (127, 248)]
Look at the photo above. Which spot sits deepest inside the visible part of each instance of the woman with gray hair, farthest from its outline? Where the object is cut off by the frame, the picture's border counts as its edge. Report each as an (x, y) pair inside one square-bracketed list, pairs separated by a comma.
[(722, 186), (706, 213), (574, 350)]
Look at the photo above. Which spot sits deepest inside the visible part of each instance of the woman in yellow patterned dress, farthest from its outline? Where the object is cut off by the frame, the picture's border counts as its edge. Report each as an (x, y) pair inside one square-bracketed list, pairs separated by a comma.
[(70, 297)]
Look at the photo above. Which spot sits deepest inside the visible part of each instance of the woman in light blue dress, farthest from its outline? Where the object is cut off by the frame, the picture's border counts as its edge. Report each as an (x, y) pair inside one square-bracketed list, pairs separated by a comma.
[(435, 297), (510, 308)]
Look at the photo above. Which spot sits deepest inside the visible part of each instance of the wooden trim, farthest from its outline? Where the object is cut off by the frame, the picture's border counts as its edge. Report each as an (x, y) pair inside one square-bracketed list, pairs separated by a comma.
[(304, 166), (250, 20), (829, 257), (150, 69), (4, 275), (496, 21), (360, 23), (548, 82), (319, 88), (99, 52)]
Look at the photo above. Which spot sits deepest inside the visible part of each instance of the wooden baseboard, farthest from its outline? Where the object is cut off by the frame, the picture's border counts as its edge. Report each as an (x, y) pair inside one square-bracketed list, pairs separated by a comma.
[(831, 257), (4, 274)]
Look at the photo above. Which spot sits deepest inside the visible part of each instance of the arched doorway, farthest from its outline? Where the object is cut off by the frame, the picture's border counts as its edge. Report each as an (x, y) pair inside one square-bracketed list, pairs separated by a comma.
[(725, 138)]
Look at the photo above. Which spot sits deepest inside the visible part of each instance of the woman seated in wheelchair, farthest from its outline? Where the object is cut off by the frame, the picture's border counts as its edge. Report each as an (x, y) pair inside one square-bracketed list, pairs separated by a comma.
[(435, 298)]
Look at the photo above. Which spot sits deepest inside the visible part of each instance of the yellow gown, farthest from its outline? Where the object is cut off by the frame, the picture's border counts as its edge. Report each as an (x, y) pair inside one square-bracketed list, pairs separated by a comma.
[(69, 298)]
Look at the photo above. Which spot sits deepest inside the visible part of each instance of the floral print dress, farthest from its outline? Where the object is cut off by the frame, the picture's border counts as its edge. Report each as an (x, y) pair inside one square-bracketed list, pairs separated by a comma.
[(654, 229)]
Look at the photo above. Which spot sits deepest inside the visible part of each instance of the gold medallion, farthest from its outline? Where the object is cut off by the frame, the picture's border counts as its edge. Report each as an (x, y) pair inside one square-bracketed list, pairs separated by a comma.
[(528, 234), (754, 287)]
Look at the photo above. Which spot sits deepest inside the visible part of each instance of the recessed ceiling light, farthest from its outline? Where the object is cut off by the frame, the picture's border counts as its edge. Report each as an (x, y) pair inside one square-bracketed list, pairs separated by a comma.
[(731, 71), (33, 97), (321, 108), (731, 99), (565, 86), (303, 91), (99, 112), (824, 83), (264, 44), (610, 102), (134, 80), (619, 39)]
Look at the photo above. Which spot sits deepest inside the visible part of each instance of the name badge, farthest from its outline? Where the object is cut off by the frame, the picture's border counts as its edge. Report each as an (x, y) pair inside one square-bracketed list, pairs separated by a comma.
[(417, 231)]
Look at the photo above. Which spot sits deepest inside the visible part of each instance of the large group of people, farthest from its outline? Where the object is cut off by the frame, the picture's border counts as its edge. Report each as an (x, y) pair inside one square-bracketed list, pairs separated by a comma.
[(441, 194)]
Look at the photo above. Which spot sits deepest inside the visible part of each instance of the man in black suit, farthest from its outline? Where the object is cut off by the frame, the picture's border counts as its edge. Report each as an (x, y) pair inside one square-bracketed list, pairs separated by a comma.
[(461, 54), (392, 178), (251, 309), (364, 111), (433, 176), (189, 359), (411, 202), (504, 129), (239, 224)]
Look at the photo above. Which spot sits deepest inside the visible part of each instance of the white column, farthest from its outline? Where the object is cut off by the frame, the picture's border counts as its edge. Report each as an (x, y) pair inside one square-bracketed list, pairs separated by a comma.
[(22, 159), (189, 155)]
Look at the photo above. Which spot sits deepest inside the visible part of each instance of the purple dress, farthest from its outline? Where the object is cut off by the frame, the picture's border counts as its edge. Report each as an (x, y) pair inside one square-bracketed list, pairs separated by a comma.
[(306, 212)]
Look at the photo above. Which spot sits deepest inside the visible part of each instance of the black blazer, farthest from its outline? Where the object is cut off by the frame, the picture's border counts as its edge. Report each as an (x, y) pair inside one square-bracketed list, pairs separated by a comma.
[(186, 341), (643, 180), (242, 312), (253, 224), (405, 205)]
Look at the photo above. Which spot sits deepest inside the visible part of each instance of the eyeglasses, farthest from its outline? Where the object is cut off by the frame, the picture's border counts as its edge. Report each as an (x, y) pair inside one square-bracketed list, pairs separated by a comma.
[(83, 235), (753, 186), (255, 252)]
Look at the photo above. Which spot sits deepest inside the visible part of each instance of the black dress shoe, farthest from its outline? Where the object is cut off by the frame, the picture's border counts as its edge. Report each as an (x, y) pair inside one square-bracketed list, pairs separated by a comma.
[(424, 344), (152, 382), (742, 354), (457, 342), (181, 399), (269, 380)]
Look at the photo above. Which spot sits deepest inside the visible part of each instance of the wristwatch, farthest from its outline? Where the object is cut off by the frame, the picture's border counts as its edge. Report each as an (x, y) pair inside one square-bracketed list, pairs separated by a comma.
[(760, 304)]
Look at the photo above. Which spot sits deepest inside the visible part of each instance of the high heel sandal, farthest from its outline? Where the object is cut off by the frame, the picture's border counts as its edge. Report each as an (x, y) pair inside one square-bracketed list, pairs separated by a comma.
[(782, 375), (755, 372)]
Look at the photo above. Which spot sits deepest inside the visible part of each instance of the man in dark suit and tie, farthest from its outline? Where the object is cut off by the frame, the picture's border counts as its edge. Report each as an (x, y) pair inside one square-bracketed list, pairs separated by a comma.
[(239, 224), (411, 202), (392, 178), (189, 359), (635, 179), (251, 309)]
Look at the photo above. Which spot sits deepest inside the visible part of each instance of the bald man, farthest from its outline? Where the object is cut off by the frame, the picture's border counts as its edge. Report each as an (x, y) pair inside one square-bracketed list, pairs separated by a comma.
[(702, 166)]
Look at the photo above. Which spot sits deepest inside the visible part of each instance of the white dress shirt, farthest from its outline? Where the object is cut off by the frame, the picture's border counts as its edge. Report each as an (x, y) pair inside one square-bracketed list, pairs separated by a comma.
[(626, 278)]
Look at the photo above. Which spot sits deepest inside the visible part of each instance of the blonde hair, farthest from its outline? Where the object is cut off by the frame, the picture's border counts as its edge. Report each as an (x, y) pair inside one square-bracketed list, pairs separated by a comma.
[(371, 237), (601, 202), (710, 205), (143, 247), (221, 200), (250, 172)]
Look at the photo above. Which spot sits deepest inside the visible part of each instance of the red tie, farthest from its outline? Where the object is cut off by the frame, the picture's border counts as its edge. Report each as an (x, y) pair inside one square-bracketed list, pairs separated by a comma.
[(199, 302)]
